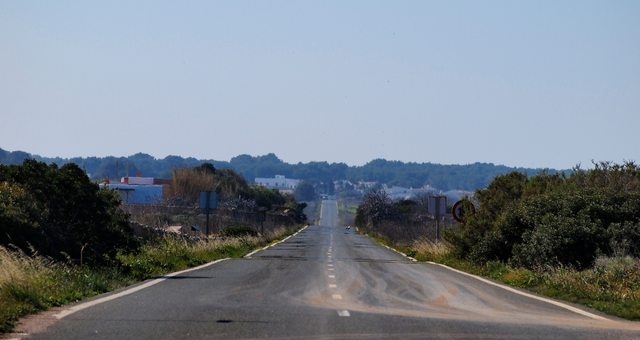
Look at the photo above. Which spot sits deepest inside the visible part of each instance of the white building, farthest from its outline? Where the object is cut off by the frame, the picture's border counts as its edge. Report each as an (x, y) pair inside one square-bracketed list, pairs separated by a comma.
[(279, 182)]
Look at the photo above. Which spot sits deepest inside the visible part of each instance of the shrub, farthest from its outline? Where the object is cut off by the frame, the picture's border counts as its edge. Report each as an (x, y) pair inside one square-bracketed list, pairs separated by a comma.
[(59, 212), (238, 231), (624, 239), (554, 220)]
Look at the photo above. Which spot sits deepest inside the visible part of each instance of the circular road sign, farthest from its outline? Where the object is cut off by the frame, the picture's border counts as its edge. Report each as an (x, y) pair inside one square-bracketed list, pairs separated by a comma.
[(458, 211)]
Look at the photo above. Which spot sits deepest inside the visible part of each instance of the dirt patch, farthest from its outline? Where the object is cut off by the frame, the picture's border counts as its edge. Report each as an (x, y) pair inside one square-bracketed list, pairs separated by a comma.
[(33, 324)]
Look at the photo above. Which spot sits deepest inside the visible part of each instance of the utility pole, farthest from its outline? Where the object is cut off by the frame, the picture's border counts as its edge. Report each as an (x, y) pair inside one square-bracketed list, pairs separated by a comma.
[(439, 209)]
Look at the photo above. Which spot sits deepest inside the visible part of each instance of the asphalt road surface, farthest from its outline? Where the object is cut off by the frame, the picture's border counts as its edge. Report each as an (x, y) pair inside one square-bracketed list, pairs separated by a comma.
[(331, 283)]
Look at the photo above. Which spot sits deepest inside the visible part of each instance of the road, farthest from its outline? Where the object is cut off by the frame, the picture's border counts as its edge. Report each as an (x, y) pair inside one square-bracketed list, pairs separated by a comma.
[(331, 283)]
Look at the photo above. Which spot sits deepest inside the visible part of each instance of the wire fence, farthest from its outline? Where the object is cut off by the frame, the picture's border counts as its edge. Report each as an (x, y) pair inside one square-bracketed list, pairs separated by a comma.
[(407, 231), (194, 222)]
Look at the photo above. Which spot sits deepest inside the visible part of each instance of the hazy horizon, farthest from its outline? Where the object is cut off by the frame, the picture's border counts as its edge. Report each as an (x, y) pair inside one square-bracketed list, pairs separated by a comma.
[(533, 84), (583, 166)]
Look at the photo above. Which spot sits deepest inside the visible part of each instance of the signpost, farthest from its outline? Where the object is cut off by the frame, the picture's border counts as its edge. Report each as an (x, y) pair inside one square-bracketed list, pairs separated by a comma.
[(438, 207), (262, 216), (208, 201), (458, 210)]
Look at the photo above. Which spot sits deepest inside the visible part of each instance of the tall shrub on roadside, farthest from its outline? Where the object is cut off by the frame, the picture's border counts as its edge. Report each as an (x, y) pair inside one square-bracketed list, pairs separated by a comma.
[(70, 218), (20, 221), (478, 239), (555, 220)]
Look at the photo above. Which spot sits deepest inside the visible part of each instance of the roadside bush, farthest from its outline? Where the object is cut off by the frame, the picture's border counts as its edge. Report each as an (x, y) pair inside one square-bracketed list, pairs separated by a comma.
[(237, 231), (625, 239), (60, 213), (19, 217), (547, 221), (375, 207), (481, 237), (559, 240)]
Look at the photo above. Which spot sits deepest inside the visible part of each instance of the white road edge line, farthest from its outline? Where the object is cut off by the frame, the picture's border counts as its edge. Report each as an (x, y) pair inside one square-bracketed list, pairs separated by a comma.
[(399, 252), (81, 306), (344, 313), (535, 297), (248, 256), (510, 289)]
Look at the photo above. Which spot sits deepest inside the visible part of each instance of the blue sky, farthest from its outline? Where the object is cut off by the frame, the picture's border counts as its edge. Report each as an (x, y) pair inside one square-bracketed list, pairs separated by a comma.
[(545, 84)]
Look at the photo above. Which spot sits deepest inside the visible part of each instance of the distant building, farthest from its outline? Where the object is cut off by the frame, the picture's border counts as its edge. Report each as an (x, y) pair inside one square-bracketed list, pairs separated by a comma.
[(399, 193), (362, 185), (279, 182), (138, 190)]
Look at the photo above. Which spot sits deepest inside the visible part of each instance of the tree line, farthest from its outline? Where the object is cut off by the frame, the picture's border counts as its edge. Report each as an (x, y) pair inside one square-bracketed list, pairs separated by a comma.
[(322, 174)]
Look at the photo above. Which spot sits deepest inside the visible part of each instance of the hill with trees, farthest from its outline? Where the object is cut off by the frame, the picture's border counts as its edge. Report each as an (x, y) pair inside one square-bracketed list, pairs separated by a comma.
[(444, 177)]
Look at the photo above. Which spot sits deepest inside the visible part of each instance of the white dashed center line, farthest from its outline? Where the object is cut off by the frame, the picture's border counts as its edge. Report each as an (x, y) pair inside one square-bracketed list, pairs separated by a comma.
[(330, 268)]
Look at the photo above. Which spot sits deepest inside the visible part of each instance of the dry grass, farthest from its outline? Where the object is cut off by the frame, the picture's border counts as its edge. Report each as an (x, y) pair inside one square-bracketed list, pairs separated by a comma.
[(428, 250), (612, 286), (11, 268), (17, 267), (21, 279)]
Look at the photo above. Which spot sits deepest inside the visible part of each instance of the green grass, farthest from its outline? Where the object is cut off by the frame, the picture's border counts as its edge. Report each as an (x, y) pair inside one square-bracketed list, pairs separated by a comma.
[(172, 254)]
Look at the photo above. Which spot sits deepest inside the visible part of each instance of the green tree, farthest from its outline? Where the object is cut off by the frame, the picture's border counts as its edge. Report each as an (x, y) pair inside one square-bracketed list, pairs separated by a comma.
[(70, 217), (305, 191), (19, 217), (266, 198), (479, 235)]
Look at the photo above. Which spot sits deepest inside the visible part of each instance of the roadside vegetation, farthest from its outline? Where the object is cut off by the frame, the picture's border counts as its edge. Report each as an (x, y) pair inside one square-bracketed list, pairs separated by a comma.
[(611, 285), (573, 237), (63, 238)]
